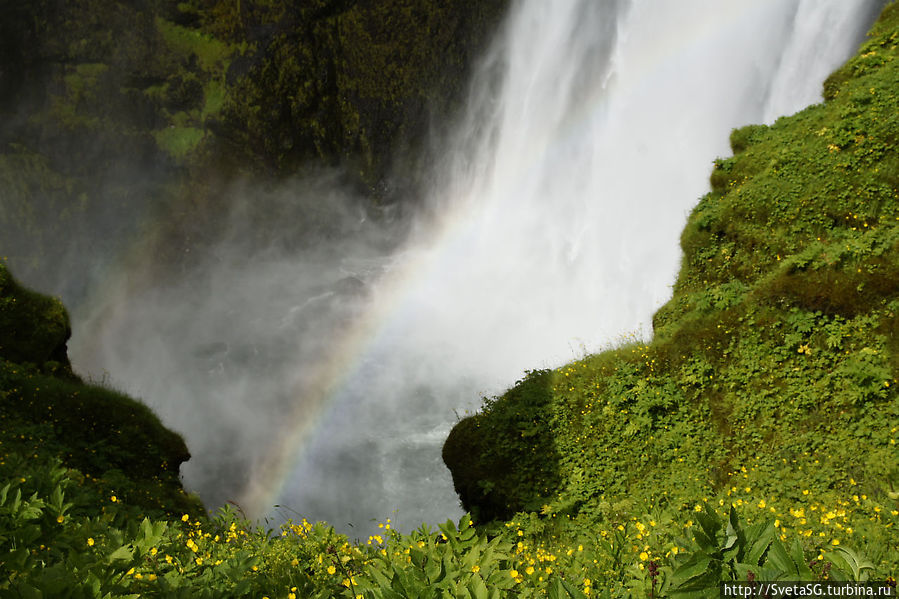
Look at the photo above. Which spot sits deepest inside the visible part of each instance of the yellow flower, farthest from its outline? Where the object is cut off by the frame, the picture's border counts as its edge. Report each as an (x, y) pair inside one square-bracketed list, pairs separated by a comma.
[(113, 499), (529, 570), (186, 517), (60, 519), (295, 562), (331, 569), (199, 561), (643, 556), (151, 577), (762, 504), (90, 541), (291, 596), (475, 568)]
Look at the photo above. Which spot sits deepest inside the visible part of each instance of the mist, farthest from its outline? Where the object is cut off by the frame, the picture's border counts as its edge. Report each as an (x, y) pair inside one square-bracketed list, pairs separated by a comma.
[(316, 355)]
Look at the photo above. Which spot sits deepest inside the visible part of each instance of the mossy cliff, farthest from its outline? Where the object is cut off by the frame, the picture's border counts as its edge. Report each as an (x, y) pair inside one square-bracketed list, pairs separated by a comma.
[(114, 442), (119, 114), (773, 370)]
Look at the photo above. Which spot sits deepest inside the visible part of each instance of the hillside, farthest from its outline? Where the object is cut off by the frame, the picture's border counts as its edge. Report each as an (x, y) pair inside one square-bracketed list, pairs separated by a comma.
[(771, 377), (754, 435)]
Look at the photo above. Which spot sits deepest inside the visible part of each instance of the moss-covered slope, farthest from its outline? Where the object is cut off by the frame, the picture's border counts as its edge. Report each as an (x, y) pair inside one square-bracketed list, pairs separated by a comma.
[(48, 413), (772, 375)]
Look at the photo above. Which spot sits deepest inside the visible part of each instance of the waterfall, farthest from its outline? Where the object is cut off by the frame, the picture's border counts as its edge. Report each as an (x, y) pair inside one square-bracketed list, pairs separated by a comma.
[(331, 378)]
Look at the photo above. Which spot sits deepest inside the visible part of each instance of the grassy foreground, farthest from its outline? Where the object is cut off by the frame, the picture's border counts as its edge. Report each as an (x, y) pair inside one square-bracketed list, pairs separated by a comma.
[(754, 437)]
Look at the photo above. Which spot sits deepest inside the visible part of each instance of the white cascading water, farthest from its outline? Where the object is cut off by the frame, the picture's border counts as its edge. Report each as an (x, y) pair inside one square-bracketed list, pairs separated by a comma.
[(552, 231)]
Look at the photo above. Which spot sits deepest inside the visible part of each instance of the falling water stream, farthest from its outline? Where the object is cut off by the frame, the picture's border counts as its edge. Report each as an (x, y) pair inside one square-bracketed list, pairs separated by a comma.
[(325, 379)]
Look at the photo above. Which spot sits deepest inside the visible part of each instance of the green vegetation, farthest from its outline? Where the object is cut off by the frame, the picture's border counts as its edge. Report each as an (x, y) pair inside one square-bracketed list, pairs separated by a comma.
[(755, 436), (771, 380)]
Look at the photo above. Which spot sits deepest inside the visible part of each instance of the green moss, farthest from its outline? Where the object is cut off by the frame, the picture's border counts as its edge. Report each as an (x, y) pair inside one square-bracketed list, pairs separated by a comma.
[(213, 54), (33, 328), (177, 141), (214, 96)]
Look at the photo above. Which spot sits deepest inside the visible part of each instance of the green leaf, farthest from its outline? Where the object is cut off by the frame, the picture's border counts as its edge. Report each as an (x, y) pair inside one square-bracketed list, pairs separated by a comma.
[(779, 559), (853, 564), (798, 556), (695, 567), (123, 553), (478, 587), (758, 538), (556, 590), (707, 536), (573, 591)]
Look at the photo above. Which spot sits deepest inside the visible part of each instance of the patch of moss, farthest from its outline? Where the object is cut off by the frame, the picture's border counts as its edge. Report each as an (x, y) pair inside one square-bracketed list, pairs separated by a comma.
[(33, 328), (178, 141)]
